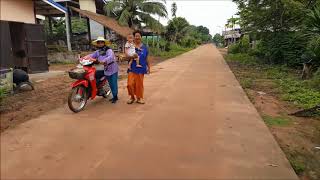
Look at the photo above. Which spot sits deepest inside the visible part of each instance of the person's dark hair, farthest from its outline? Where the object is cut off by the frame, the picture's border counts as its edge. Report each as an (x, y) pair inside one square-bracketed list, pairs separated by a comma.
[(137, 31)]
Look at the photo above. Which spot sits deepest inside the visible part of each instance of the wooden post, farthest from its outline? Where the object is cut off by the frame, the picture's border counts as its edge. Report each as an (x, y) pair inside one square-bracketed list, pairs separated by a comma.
[(70, 23), (104, 32), (89, 32), (152, 40), (68, 31), (50, 25)]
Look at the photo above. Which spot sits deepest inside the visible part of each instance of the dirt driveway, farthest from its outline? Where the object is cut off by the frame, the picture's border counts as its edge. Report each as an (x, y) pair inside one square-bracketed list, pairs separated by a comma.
[(197, 124)]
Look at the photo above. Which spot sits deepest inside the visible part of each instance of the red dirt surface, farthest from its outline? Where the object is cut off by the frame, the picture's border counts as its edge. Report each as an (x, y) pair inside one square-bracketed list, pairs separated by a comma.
[(48, 95)]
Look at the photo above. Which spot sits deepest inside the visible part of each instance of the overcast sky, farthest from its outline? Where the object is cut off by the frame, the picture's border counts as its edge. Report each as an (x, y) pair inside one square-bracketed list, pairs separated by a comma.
[(210, 13)]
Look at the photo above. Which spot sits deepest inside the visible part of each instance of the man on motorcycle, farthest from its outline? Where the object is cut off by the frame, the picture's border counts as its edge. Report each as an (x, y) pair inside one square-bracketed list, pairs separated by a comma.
[(105, 55)]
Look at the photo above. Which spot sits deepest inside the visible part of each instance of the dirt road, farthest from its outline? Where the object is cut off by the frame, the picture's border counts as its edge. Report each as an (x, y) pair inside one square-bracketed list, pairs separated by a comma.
[(197, 124)]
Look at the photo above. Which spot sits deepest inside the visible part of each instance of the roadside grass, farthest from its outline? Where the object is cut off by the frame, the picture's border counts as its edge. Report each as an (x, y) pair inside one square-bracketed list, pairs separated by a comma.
[(276, 121), (2, 94), (296, 136), (173, 52), (246, 82), (298, 165), (302, 94)]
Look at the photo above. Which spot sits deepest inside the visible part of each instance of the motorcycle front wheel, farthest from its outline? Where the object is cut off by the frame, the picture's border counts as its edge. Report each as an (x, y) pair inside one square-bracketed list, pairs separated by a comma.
[(77, 99)]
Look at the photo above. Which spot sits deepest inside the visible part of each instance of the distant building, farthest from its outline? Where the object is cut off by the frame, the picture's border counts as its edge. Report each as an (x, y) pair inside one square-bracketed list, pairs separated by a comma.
[(231, 36)]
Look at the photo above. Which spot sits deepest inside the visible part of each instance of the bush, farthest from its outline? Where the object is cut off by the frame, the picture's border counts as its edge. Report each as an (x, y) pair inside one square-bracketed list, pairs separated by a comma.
[(313, 50), (257, 50), (315, 81), (284, 47), (234, 48), (189, 42), (242, 46), (295, 91)]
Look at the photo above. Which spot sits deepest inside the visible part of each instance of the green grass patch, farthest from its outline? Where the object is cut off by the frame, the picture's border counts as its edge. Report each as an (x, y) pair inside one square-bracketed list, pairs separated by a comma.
[(3, 94), (173, 52), (298, 166), (275, 72), (303, 94), (242, 58), (295, 91), (246, 82), (276, 121)]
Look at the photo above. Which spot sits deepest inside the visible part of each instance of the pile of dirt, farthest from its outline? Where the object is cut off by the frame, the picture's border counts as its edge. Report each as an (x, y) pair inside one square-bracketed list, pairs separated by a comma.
[(298, 137), (48, 95)]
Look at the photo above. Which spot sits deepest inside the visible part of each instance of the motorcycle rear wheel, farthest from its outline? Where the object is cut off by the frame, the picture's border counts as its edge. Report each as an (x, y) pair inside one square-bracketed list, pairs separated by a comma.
[(78, 97)]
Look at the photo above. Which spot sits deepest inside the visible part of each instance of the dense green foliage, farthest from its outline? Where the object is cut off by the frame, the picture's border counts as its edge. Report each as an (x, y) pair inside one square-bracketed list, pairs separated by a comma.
[(176, 29), (218, 40), (283, 27), (175, 50), (2, 94), (242, 46), (181, 32)]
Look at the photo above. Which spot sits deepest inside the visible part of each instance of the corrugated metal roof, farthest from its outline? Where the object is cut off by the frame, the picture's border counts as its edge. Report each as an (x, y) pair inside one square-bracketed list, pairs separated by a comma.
[(56, 5), (106, 21)]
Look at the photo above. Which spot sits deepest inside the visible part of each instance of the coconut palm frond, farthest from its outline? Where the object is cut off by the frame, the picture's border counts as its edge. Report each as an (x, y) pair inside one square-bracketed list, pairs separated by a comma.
[(112, 7), (124, 18), (151, 22), (133, 12), (313, 21), (156, 8)]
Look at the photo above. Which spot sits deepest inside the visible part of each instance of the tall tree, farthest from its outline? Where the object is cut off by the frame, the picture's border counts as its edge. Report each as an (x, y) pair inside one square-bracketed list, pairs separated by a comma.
[(136, 13), (174, 9), (218, 39), (176, 29), (279, 24)]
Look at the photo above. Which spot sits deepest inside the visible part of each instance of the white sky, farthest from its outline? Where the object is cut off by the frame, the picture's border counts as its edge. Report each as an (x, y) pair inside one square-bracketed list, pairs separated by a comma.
[(210, 13)]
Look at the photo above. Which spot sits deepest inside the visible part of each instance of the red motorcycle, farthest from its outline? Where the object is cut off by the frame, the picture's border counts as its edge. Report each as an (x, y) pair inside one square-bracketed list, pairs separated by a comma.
[(90, 83)]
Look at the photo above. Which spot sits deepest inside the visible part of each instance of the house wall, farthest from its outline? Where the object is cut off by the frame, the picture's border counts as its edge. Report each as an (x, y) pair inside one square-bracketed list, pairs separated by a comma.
[(89, 5), (17, 10), (96, 29)]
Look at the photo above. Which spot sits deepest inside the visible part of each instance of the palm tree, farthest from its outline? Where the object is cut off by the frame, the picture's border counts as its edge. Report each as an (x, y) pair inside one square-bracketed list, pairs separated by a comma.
[(134, 13), (177, 29), (313, 20), (174, 9)]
